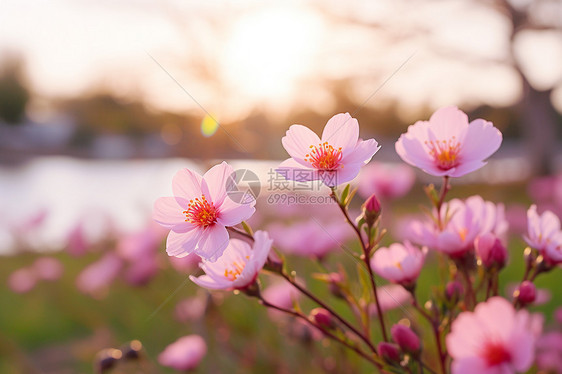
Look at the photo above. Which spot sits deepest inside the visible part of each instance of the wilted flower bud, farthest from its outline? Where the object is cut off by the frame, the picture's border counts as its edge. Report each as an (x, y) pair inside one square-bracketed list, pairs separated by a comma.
[(490, 251), (334, 284), (454, 290), (322, 318), (526, 293), (372, 210), (132, 350), (405, 338), (389, 352)]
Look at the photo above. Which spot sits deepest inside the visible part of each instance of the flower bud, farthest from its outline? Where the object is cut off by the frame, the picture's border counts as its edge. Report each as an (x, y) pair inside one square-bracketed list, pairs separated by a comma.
[(372, 210), (453, 291), (526, 293), (107, 359), (389, 352), (322, 318), (490, 251), (334, 285), (406, 339)]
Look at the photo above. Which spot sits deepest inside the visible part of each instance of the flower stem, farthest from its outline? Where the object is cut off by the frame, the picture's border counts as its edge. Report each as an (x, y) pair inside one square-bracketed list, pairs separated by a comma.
[(334, 337), (435, 328), (366, 252), (445, 187)]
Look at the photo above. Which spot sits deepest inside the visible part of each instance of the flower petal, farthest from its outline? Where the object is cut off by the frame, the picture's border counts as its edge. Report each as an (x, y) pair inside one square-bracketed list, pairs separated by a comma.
[(186, 184), (213, 242), (211, 283), (217, 179), (449, 122), (297, 142), (342, 130), (292, 170), (482, 139), (232, 213), (181, 244), (168, 211), (363, 152)]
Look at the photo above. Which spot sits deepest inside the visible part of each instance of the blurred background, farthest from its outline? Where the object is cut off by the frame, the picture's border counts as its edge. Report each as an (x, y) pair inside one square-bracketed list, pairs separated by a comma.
[(101, 102)]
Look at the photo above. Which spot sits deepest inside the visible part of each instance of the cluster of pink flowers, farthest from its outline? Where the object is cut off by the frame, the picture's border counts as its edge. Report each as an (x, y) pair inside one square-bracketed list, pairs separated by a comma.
[(488, 334)]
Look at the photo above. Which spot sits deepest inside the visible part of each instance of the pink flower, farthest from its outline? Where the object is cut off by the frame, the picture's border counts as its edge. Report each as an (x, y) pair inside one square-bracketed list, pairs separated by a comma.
[(199, 213), (239, 265), (281, 294), (47, 268), (22, 280), (96, 277), (399, 263), (384, 180), (391, 296), (490, 250), (544, 234), (184, 354), (493, 339), (447, 144), (191, 309), (334, 159), (466, 220), (310, 238)]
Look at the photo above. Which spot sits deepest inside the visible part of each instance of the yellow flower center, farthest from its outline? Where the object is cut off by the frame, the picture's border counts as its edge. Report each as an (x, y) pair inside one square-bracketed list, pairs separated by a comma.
[(444, 152)]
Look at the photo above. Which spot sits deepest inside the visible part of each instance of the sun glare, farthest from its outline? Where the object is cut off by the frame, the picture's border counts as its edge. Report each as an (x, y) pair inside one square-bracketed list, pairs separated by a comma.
[(269, 49)]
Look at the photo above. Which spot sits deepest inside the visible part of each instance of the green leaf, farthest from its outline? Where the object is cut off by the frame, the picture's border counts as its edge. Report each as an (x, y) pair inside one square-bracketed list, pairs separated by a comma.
[(365, 283), (344, 194), (247, 228)]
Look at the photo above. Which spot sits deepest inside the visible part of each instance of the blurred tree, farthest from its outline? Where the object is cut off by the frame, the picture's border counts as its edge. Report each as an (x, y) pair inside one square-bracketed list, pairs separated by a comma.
[(14, 94)]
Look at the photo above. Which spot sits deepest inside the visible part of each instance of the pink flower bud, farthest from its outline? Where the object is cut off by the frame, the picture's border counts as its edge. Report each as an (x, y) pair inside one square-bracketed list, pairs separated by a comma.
[(322, 318), (372, 209), (405, 338), (389, 352), (454, 290), (526, 293), (490, 251)]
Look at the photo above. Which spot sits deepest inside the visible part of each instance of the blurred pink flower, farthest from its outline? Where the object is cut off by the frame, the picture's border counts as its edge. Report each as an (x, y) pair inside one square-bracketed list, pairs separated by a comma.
[(490, 250), (184, 354), (310, 238), (549, 352), (239, 265), (280, 294), (542, 295), (399, 263), (135, 245), (466, 220), (22, 280), (334, 159), (447, 144), (97, 276), (77, 244), (495, 338), (391, 296), (191, 309), (199, 213), (385, 181), (544, 234), (185, 264), (140, 271), (47, 268)]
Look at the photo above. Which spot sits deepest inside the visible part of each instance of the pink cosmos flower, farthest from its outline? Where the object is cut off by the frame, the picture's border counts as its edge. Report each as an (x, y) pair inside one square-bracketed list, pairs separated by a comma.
[(466, 220), (199, 213), (447, 144), (334, 159), (544, 234), (239, 265), (184, 354), (385, 181), (493, 339), (399, 263)]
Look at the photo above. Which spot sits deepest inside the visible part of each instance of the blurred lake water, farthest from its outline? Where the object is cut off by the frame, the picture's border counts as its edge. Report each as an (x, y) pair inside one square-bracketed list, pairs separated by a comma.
[(118, 195)]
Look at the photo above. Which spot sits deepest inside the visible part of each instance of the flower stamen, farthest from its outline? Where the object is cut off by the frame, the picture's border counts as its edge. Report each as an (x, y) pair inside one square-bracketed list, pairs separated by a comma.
[(444, 152), (324, 157), (200, 212)]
